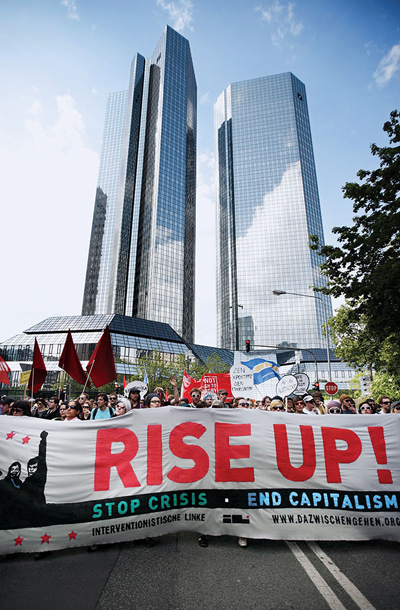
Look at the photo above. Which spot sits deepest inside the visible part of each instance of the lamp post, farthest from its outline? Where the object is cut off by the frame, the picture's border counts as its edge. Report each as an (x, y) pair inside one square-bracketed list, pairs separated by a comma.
[(278, 293), (235, 323)]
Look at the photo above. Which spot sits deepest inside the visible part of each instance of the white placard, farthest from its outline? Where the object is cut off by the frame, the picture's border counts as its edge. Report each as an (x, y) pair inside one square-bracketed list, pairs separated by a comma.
[(140, 385), (286, 385), (303, 383), (241, 380)]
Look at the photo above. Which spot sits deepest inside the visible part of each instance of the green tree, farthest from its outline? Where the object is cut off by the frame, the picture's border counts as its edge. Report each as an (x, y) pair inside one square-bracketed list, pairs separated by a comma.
[(365, 265)]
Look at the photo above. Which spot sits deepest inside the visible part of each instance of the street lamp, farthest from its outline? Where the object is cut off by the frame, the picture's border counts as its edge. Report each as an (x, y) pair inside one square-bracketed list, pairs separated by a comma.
[(278, 293)]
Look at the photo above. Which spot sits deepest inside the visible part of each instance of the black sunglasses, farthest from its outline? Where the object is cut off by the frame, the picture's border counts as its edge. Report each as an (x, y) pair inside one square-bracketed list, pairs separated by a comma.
[(279, 408)]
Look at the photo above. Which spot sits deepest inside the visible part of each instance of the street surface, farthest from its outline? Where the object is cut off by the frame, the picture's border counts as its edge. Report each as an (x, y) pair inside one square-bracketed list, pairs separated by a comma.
[(177, 574)]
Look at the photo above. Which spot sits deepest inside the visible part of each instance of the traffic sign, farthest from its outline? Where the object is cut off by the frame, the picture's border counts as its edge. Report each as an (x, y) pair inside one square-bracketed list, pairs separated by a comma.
[(331, 388)]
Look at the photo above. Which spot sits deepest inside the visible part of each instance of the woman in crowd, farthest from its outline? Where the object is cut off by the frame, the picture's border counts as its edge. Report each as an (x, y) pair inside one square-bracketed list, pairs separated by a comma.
[(21, 408), (277, 406), (73, 411), (365, 409), (333, 407), (152, 401), (40, 409), (123, 406)]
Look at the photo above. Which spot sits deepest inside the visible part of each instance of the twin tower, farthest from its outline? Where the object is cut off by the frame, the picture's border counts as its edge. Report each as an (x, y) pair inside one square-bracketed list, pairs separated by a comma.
[(142, 249)]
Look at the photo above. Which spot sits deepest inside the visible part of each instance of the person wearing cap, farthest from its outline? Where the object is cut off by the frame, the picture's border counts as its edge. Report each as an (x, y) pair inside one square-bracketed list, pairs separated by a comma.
[(396, 407), (6, 405), (123, 406), (333, 407), (134, 398), (348, 405), (217, 404), (223, 396), (310, 407), (298, 405), (152, 401)]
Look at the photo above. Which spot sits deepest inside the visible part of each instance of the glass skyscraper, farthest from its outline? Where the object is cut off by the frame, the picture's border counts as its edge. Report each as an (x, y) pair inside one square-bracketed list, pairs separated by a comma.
[(142, 248), (267, 206)]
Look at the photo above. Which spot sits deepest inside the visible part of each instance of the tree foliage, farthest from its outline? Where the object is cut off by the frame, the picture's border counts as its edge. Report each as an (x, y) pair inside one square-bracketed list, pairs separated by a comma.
[(365, 265)]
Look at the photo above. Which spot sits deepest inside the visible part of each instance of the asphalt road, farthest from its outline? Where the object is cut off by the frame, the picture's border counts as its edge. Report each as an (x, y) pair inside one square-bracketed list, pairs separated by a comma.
[(177, 574)]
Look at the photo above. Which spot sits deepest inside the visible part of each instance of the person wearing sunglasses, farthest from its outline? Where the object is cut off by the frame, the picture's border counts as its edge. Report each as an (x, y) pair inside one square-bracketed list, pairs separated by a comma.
[(298, 405), (277, 406), (310, 406), (396, 407), (334, 407), (74, 409), (365, 409), (195, 395), (348, 405), (385, 404)]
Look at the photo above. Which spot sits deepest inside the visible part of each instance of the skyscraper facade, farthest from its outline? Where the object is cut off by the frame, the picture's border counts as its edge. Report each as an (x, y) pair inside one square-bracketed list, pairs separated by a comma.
[(142, 248), (267, 207)]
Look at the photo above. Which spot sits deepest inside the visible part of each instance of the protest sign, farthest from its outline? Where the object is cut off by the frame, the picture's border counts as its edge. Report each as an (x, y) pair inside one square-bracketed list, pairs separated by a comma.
[(303, 383), (241, 380), (286, 385), (208, 383), (240, 472)]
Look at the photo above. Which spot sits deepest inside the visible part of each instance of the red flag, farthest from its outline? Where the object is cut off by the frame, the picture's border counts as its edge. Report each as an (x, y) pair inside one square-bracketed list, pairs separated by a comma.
[(188, 383), (101, 366), (4, 370), (70, 362), (166, 394), (38, 372), (125, 383)]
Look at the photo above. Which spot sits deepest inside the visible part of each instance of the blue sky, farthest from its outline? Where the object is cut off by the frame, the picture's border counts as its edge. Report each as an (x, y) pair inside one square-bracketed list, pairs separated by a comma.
[(60, 59)]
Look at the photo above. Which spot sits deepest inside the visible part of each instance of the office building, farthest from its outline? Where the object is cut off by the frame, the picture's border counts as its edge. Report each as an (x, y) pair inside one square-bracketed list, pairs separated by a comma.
[(267, 206), (142, 248)]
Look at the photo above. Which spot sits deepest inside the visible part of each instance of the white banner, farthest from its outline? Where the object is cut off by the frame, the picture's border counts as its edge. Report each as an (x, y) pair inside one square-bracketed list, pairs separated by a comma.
[(241, 472)]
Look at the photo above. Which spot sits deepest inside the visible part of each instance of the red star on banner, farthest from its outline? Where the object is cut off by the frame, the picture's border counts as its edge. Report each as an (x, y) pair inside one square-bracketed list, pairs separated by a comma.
[(10, 435), (18, 541), (45, 538), (72, 535), (26, 440)]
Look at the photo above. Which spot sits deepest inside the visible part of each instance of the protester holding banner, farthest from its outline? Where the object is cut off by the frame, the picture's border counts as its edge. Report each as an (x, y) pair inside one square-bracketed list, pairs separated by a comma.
[(73, 411), (21, 408), (334, 407), (102, 410), (153, 401), (195, 395)]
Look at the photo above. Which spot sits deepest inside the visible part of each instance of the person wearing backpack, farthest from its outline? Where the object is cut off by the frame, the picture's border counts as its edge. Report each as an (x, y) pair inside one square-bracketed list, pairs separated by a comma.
[(101, 410)]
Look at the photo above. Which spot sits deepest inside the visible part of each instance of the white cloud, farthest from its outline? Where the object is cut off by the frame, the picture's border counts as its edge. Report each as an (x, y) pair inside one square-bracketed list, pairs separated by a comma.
[(36, 109), (48, 183), (205, 98), (282, 18), (180, 13), (72, 11), (388, 66)]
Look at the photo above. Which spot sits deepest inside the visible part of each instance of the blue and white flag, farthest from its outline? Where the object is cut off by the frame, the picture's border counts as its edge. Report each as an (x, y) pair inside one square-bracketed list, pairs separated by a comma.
[(145, 378), (262, 369)]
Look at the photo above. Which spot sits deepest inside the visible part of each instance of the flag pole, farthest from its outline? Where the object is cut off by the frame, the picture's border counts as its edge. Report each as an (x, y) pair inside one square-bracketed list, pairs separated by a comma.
[(88, 375)]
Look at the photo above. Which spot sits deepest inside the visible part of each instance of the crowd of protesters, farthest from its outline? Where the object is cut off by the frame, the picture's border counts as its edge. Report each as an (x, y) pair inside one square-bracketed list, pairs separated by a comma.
[(113, 405), (110, 405)]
